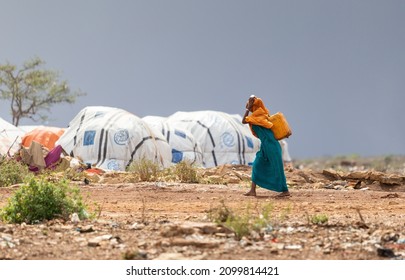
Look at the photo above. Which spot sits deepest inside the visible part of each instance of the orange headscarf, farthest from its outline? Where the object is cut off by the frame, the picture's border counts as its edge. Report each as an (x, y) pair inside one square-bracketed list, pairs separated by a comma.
[(260, 115)]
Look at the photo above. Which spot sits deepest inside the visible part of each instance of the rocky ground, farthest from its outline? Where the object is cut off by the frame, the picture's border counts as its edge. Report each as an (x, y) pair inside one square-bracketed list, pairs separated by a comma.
[(365, 213)]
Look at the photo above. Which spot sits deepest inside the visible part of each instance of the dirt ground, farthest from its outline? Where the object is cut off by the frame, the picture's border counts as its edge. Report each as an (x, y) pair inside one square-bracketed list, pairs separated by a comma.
[(162, 220)]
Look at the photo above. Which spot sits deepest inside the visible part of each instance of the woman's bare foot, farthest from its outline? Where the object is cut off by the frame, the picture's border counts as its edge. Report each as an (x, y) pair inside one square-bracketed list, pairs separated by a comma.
[(283, 194), (250, 193)]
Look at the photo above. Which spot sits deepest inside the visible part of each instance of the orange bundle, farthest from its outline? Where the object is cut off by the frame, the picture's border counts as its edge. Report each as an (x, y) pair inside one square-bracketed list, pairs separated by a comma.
[(46, 136), (261, 116)]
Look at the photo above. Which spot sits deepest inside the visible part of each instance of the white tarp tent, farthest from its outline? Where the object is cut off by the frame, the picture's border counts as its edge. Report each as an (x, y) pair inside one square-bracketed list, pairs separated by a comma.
[(285, 154), (181, 141), (222, 137), (111, 138), (10, 138)]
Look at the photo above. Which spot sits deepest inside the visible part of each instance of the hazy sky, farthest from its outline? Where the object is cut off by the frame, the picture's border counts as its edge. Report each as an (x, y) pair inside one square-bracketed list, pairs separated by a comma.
[(336, 69)]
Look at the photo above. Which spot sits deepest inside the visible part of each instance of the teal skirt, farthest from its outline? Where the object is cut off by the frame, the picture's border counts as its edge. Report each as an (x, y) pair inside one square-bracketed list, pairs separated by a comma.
[(268, 166)]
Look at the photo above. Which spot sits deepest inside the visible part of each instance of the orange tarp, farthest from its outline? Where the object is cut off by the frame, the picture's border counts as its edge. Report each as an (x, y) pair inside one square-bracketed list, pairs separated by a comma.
[(46, 136)]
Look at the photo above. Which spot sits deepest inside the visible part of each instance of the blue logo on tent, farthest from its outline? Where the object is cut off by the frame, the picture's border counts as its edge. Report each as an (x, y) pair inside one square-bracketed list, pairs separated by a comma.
[(121, 137), (228, 139), (113, 165), (249, 142), (177, 156), (89, 136), (180, 133)]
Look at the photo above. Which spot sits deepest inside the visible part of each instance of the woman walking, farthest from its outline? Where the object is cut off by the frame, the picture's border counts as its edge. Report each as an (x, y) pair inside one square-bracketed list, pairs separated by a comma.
[(268, 167)]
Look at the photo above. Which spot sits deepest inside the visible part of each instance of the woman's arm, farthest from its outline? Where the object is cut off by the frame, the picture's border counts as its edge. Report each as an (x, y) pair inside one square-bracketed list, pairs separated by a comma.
[(248, 106), (244, 116)]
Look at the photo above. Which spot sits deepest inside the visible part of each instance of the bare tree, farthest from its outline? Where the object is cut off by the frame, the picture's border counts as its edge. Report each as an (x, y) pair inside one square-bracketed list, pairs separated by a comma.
[(32, 90)]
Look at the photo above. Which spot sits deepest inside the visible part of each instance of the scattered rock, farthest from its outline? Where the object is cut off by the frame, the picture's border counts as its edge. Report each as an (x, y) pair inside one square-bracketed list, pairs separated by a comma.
[(114, 224), (245, 242), (293, 247), (195, 243), (359, 185), (75, 218), (171, 256), (135, 255), (137, 226), (86, 229), (392, 179), (94, 242), (358, 175), (7, 241), (330, 173), (386, 253), (390, 237), (318, 185), (390, 195), (176, 230)]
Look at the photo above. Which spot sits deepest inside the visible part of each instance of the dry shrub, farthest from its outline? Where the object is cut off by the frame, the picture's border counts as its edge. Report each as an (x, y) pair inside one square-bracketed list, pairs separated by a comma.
[(147, 170), (186, 172), (12, 172)]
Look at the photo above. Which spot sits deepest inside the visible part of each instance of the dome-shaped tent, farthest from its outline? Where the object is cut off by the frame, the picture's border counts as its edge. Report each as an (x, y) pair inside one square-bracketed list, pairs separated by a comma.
[(111, 138), (181, 141), (223, 137), (10, 138)]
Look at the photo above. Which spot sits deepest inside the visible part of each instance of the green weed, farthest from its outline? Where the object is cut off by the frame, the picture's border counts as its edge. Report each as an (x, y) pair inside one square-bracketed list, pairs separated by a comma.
[(242, 224), (319, 219), (219, 214), (12, 172), (39, 200), (239, 224)]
